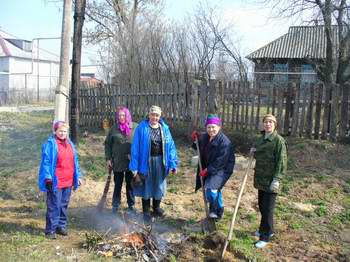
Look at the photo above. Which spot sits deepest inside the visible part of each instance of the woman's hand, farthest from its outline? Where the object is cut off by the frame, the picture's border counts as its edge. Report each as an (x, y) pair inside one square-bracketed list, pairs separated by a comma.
[(195, 135), (275, 184), (48, 184), (109, 165), (252, 151)]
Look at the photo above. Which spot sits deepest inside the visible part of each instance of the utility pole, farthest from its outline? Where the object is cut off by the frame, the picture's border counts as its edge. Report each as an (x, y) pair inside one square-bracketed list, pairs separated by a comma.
[(79, 13), (61, 97)]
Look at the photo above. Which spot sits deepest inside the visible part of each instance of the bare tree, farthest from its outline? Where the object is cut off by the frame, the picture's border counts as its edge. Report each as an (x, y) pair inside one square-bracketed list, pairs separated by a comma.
[(226, 45)]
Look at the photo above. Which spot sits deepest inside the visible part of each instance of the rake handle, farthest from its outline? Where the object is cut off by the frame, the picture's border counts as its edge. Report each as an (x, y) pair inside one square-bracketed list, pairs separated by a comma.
[(201, 178), (229, 237)]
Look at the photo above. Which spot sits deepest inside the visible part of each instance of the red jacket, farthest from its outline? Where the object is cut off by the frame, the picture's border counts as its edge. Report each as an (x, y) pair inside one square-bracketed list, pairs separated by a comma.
[(65, 164)]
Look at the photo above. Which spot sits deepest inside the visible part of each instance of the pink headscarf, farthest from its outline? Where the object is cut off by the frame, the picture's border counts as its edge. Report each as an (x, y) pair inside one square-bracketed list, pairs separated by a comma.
[(57, 124), (125, 128)]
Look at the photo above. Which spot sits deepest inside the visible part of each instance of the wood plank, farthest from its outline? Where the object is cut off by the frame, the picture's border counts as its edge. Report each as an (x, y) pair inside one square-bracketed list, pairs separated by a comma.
[(319, 92), (296, 111), (257, 118), (280, 103), (222, 88), (246, 113), (252, 106), (288, 108), (303, 105), (233, 102), (309, 115)]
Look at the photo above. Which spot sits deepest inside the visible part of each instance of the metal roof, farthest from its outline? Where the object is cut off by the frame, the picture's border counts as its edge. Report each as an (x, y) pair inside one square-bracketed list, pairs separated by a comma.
[(300, 42), (9, 49)]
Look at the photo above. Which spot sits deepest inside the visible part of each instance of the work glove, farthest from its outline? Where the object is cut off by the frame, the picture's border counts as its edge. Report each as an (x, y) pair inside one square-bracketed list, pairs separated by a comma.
[(252, 151), (275, 184), (203, 173), (195, 135), (136, 180), (48, 184)]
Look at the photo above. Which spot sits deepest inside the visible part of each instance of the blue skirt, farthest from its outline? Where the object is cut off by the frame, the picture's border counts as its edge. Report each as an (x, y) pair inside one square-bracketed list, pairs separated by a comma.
[(154, 183)]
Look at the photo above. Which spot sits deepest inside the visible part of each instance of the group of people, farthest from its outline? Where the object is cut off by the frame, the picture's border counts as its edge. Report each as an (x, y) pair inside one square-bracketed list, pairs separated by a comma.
[(144, 154)]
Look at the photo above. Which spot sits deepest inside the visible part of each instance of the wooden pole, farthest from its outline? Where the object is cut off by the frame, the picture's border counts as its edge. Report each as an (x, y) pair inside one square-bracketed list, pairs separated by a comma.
[(61, 92), (229, 237)]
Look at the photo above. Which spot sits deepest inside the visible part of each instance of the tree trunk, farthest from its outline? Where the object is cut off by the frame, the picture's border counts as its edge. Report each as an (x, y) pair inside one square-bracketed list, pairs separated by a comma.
[(79, 13)]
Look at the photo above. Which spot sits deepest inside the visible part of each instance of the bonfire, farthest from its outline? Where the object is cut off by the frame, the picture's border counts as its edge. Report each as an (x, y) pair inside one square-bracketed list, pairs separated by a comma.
[(140, 244)]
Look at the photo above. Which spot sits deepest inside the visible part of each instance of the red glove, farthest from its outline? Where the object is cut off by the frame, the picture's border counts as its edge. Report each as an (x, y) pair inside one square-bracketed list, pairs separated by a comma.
[(203, 173), (194, 136)]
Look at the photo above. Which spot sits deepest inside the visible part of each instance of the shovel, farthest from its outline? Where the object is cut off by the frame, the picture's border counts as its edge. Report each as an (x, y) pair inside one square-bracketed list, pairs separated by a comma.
[(229, 237), (208, 224), (101, 204)]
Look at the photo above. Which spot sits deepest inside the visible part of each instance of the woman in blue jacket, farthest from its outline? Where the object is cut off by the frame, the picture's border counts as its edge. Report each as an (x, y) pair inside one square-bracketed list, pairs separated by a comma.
[(218, 160), (153, 156), (59, 172)]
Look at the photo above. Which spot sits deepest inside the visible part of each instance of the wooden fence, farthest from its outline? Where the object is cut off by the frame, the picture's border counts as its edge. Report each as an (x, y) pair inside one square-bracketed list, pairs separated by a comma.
[(241, 105)]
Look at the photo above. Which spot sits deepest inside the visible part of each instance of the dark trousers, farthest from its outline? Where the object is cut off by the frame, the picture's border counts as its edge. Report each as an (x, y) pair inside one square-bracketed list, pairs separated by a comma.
[(266, 203), (118, 183), (57, 205)]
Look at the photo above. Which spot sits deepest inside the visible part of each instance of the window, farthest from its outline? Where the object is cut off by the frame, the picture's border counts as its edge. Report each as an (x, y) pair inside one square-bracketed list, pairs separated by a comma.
[(308, 74), (280, 77)]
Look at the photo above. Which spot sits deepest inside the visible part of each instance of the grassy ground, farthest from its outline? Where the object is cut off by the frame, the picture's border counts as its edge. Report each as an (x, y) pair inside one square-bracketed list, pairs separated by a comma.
[(312, 213)]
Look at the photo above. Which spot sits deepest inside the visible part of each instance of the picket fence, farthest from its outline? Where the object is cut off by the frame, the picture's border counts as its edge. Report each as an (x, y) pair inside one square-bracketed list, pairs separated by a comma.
[(241, 105)]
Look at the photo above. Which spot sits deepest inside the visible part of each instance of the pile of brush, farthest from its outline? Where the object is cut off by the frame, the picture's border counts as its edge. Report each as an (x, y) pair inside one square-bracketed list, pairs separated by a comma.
[(139, 245)]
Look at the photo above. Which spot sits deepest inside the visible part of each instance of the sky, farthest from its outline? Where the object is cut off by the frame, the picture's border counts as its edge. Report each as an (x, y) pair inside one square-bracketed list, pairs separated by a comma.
[(29, 19)]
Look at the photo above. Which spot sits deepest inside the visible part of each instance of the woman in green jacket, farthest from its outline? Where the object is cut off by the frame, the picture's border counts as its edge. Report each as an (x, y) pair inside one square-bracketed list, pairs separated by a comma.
[(271, 165), (117, 152)]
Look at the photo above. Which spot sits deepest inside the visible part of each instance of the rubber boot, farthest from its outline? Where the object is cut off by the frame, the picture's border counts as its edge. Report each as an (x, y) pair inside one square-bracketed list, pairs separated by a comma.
[(146, 206), (157, 211)]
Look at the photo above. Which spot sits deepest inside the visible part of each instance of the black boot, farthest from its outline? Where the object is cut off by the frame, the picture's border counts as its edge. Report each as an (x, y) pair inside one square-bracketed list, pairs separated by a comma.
[(146, 206), (157, 211)]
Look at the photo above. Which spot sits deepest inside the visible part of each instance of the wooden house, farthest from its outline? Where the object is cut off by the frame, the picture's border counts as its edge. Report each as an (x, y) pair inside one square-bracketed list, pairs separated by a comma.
[(291, 57)]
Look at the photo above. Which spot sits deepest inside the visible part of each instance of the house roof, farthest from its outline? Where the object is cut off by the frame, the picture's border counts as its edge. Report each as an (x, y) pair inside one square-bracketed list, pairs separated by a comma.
[(8, 48), (300, 42)]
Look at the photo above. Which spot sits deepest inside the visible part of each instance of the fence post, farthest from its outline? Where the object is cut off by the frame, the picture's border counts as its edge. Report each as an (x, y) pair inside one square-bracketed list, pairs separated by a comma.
[(288, 108), (257, 118), (334, 112), (296, 104), (309, 114), (202, 104), (344, 115)]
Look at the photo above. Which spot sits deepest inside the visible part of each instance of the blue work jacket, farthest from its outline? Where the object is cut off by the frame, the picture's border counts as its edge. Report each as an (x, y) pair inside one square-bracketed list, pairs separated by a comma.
[(49, 153), (141, 148)]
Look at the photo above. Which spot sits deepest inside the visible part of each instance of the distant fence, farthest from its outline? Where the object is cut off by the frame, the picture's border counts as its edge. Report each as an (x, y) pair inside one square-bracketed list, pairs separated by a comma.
[(300, 110)]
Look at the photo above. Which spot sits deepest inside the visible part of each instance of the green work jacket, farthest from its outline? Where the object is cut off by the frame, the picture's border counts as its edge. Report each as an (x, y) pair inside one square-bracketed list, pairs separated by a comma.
[(117, 148), (271, 160)]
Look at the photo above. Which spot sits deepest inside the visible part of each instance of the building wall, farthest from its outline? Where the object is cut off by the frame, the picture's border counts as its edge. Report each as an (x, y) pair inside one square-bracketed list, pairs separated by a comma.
[(4, 79), (269, 75), (26, 77), (297, 67)]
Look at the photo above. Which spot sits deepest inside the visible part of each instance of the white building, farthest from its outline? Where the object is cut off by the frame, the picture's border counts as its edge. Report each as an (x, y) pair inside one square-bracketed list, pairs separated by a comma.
[(27, 73)]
